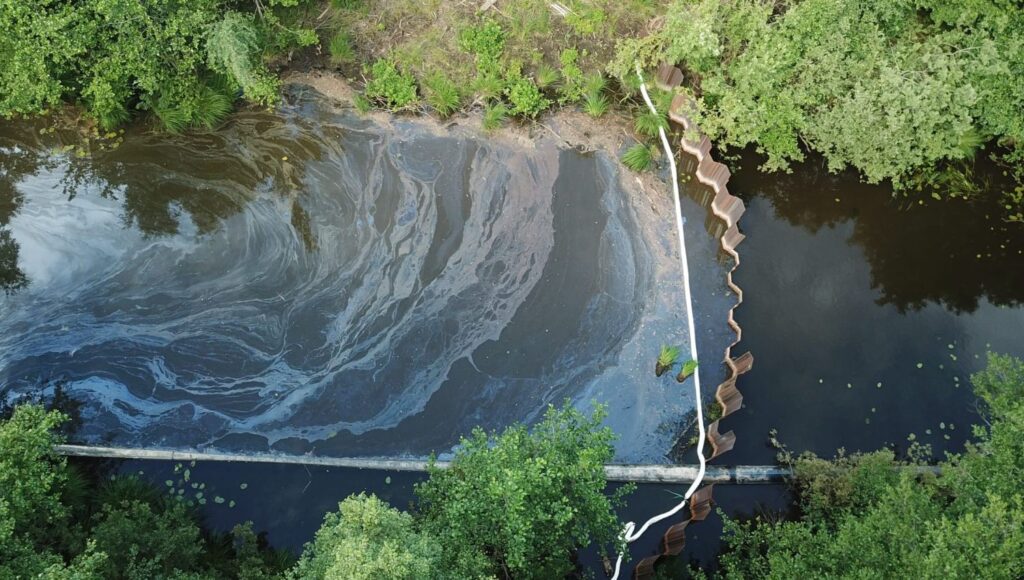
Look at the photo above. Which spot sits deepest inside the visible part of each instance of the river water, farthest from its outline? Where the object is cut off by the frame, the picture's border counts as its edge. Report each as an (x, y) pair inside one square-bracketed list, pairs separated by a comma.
[(311, 281)]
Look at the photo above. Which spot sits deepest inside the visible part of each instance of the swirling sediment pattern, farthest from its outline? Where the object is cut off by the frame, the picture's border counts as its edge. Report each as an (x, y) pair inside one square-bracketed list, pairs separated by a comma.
[(312, 282)]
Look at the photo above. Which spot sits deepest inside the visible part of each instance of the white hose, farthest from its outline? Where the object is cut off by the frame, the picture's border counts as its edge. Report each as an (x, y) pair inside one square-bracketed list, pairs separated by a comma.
[(629, 531)]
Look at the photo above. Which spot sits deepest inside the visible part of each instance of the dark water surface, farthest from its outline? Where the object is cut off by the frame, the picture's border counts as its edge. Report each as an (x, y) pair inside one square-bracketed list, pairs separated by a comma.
[(312, 281), (867, 314)]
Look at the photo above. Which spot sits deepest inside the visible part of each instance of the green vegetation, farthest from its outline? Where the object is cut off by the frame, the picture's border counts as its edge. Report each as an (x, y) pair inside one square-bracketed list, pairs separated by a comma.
[(639, 157), (686, 370), (367, 539), (859, 516), (520, 58), (341, 48), (892, 89), (184, 62), (390, 88), (517, 505), (667, 358), (596, 104), (525, 98), (442, 94), (520, 504), (55, 522), (494, 116)]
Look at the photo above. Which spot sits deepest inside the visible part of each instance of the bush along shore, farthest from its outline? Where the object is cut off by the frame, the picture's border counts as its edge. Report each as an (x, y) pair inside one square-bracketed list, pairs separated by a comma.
[(910, 93), (519, 504)]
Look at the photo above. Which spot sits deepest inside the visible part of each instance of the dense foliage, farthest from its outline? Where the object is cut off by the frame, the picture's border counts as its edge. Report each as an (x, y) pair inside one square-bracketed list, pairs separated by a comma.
[(57, 523), (367, 539), (862, 518), (522, 503), (186, 62), (516, 505), (890, 87)]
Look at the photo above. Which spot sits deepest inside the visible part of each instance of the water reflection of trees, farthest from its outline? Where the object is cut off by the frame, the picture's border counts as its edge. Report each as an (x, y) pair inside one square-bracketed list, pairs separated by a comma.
[(157, 177), (950, 252)]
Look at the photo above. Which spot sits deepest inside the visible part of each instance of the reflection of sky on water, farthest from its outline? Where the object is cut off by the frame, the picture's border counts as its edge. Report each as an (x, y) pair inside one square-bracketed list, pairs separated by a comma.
[(314, 282)]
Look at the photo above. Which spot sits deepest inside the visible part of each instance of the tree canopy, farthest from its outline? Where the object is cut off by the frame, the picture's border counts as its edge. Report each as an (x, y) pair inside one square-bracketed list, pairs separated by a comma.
[(890, 87), (860, 517), (183, 61)]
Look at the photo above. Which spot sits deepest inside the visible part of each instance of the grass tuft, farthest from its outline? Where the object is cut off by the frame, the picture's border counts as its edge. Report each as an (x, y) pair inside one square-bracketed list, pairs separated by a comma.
[(648, 123), (596, 104), (341, 48), (442, 94), (639, 157), (546, 76), (494, 116)]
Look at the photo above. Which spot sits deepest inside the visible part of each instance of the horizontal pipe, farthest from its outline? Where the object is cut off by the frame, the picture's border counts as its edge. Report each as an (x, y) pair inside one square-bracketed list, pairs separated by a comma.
[(672, 474)]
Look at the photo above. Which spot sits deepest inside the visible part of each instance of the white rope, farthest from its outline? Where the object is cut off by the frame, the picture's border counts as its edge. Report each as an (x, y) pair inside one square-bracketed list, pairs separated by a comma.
[(629, 531)]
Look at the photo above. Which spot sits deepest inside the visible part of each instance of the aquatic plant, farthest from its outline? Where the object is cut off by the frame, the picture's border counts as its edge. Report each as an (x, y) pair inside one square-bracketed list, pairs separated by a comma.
[(666, 359), (687, 369), (596, 104)]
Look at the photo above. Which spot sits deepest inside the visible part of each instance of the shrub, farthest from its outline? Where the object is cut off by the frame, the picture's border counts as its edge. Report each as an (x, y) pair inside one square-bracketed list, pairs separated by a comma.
[(639, 157), (525, 98), (367, 539), (486, 41), (521, 503), (119, 57), (390, 88), (863, 513), (902, 89), (573, 83), (233, 49)]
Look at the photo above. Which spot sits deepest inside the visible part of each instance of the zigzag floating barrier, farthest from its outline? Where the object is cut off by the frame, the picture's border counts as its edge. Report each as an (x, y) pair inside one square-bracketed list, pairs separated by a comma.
[(728, 208)]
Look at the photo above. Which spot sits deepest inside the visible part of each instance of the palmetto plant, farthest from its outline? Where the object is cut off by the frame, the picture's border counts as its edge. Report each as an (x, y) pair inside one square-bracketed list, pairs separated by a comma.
[(666, 358)]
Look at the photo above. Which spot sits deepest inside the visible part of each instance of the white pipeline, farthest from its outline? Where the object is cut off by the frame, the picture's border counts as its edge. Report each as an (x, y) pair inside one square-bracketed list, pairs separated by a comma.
[(629, 532)]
